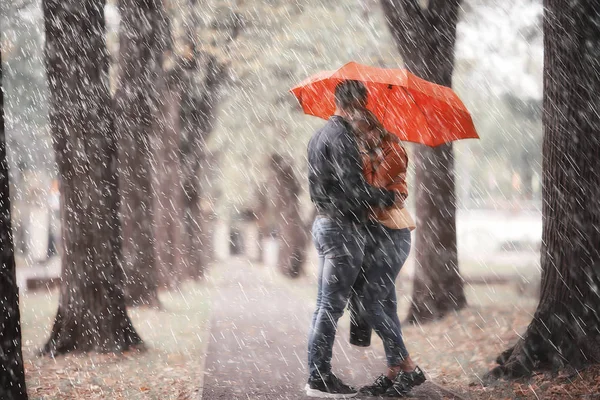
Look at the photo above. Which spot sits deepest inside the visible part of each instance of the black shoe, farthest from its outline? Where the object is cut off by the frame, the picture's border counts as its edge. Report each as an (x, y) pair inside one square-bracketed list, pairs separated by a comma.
[(379, 387), (329, 387), (404, 382)]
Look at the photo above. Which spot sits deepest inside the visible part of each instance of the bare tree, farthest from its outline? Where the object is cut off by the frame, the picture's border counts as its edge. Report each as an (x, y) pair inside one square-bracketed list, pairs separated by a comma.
[(425, 37), (564, 331), (12, 374), (91, 312), (142, 38)]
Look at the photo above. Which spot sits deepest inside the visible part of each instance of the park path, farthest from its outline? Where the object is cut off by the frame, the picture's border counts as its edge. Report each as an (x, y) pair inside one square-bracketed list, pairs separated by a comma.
[(257, 338)]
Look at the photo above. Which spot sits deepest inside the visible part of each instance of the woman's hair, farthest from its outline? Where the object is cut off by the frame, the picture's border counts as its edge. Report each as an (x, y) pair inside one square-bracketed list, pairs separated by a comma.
[(349, 93), (370, 122)]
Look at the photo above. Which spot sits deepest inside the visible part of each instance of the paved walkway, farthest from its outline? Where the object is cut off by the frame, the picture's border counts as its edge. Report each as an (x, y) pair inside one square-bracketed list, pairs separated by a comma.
[(257, 347)]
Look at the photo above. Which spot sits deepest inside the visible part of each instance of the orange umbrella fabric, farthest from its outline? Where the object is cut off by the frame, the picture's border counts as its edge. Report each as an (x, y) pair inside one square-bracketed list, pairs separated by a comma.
[(413, 109)]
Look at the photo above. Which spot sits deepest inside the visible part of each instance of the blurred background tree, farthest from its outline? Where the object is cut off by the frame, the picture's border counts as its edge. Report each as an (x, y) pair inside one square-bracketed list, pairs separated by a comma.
[(270, 46), (426, 37), (143, 39), (25, 81)]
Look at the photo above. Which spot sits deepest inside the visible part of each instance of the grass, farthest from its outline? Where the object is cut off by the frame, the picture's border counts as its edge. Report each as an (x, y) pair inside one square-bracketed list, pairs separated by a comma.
[(171, 368)]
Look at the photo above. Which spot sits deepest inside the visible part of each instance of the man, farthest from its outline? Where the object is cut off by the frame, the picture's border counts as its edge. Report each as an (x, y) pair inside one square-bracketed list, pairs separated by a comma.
[(343, 200)]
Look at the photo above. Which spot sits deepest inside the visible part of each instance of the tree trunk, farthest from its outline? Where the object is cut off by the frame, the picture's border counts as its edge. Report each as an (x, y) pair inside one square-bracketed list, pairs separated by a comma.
[(91, 312), (199, 103), (192, 82), (136, 102), (203, 78), (286, 211), (12, 374), (564, 331), (425, 38), (168, 179), (261, 211)]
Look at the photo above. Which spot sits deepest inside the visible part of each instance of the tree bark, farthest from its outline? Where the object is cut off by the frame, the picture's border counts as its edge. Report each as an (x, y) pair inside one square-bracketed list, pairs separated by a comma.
[(12, 374), (192, 80), (204, 75), (286, 212), (425, 38), (564, 331), (142, 44), (199, 103), (91, 312), (168, 178)]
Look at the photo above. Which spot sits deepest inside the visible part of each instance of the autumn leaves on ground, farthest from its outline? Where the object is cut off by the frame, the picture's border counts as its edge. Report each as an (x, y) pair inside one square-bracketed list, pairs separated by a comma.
[(171, 368), (456, 351)]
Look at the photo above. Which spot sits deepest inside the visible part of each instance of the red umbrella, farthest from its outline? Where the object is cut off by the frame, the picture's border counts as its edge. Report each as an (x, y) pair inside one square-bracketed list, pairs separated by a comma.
[(413, 109)]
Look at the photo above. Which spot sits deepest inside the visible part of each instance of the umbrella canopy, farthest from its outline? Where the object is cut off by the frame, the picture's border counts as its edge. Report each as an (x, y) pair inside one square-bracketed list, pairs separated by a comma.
[(413, 109)]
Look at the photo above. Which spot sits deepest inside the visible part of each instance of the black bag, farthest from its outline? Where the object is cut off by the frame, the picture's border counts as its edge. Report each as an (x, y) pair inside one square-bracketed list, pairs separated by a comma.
[(360, 330)]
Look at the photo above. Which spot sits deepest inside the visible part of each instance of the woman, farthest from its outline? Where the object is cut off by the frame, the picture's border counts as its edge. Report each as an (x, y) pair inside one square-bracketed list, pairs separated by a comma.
[(384, 165)]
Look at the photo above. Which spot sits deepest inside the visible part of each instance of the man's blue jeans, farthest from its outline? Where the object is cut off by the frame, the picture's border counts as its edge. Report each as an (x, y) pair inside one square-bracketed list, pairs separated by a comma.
[(340, 246), (386, 251)]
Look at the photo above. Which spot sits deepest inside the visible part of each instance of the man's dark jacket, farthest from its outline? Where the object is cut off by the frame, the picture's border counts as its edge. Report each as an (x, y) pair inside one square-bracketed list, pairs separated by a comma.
[(339, 190)]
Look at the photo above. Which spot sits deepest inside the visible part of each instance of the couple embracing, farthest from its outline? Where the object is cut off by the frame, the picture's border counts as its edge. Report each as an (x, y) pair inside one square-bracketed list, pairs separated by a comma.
[(357, 182)]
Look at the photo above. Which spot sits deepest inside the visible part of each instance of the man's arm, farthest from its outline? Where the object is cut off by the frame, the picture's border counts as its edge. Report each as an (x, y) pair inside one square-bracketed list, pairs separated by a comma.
[(347, 163)]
